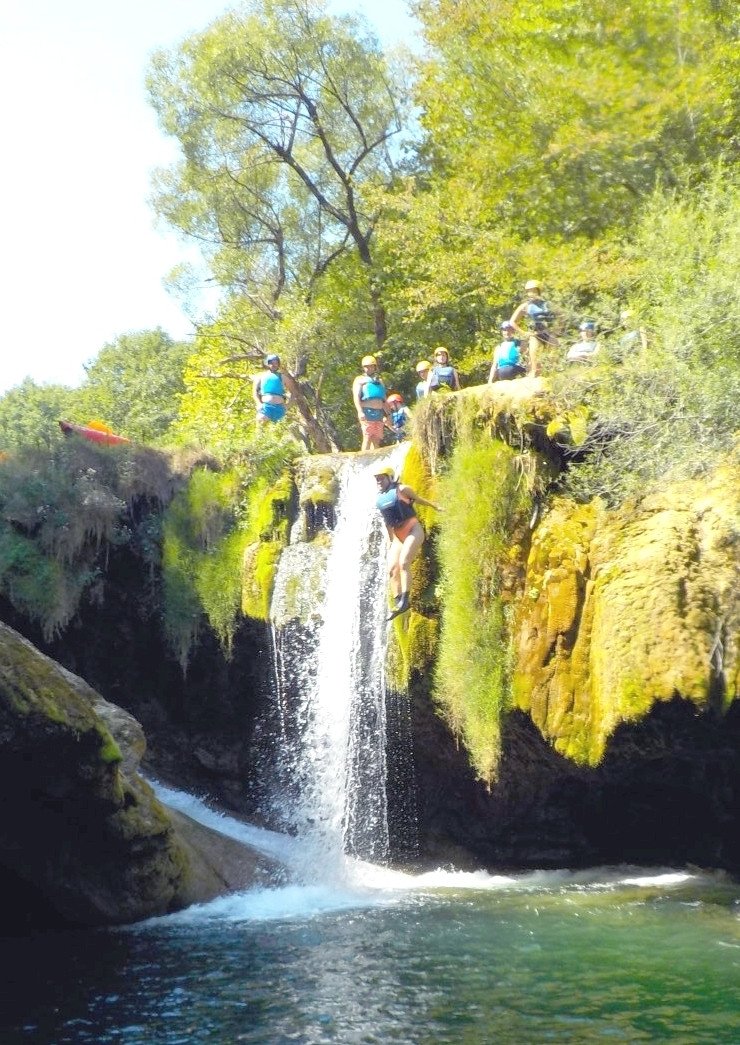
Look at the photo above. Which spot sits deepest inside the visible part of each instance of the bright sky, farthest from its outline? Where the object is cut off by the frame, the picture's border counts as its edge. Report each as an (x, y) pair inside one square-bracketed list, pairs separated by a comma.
[(81, 260)]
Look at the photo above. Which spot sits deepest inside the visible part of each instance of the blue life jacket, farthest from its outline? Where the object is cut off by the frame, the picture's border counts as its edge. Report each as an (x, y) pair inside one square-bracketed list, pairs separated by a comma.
[(392, 508), (507, 353), (442, 375), (539, 312), (372, 388), (271, 385), (399, 418)]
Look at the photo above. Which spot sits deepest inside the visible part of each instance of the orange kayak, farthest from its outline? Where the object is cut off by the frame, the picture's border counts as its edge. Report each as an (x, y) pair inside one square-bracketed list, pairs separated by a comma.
[(95, 435)]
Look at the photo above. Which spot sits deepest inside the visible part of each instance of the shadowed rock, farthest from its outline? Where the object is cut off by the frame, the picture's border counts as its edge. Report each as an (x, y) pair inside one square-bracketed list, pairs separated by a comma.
[(83, 840)]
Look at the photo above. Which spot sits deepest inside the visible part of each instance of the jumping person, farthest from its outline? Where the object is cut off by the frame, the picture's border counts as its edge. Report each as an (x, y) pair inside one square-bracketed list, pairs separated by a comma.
[(507, 359), (442, 374), (268, 392), (537, 314), (395, 502), (368, 393)]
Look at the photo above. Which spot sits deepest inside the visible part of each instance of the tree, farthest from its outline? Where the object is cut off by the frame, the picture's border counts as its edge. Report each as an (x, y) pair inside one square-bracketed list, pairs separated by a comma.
[(29, 414), (284, 115), (548, 123), (134, 384), (561, 115)]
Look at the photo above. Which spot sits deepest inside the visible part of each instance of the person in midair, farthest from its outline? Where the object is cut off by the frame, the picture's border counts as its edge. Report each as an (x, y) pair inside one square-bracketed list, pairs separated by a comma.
[(507, 358), (395, 502), (443, 373), (537, 315), (369, 396), (268, 392)]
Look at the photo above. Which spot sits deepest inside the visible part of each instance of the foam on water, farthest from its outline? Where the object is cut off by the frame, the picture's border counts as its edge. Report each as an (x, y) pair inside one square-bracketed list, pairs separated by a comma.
[(366, 885)]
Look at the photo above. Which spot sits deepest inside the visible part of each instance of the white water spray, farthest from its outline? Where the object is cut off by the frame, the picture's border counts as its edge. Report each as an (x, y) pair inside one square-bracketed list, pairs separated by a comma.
[(330, 685)]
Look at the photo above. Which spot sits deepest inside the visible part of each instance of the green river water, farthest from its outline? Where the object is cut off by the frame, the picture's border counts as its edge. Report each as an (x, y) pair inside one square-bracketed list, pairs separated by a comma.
[(612, 955)]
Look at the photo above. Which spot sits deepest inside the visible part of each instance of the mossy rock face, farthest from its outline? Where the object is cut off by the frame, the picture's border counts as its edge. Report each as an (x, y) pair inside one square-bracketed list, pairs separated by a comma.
[(316, 478), (298, 594), (622, 609), (517, 412), (79, 827)]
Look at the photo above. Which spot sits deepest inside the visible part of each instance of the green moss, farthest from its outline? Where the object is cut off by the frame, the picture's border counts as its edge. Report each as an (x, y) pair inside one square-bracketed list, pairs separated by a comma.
[(34, 689), (411, 650), (258, 579), (268, 527), (319, 481), (484, 503), (110, 752), (625, 608), (210, 572), (515, 412)]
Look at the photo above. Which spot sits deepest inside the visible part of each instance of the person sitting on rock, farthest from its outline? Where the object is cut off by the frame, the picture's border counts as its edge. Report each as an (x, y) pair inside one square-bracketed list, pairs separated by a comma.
[(268, 392), (507, 358), (442, 374), (585, 348), (422, 369), (369, 396), (633, 338), (395, 502), (536, 313)]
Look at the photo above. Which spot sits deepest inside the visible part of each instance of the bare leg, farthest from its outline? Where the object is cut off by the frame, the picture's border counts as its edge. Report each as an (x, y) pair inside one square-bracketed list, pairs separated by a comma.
[(394, 572), (534, 357), (407, 553)]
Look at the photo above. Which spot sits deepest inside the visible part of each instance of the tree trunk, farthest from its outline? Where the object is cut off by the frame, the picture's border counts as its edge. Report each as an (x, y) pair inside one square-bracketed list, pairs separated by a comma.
[(322, 442)]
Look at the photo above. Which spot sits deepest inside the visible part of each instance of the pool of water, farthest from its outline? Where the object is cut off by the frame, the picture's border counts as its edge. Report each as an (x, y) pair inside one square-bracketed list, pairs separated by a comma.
[(615, 955)]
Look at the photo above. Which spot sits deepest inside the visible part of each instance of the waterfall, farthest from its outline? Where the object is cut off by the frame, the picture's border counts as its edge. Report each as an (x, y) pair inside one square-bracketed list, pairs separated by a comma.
[(329, 644)]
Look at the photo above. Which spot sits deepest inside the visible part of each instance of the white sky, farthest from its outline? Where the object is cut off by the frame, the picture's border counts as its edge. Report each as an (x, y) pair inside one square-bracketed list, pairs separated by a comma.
[(81, 260)]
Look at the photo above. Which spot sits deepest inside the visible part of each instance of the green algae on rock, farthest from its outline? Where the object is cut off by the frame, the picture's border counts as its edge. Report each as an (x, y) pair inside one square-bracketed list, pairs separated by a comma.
[(80, 828), (486, 507), (625, 608)]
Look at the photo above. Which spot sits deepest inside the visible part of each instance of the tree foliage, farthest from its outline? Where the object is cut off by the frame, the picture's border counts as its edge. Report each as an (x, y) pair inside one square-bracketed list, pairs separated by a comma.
[(284, 113), (29, 414), (670, 412), (133, 384), (558, 116)]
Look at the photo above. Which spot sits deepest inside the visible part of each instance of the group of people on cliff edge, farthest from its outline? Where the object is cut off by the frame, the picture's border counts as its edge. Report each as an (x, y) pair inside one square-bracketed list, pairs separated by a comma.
[(527, 337)]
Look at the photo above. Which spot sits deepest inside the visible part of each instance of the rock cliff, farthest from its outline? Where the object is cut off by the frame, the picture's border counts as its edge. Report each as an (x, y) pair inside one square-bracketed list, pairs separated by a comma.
[(83, 840)]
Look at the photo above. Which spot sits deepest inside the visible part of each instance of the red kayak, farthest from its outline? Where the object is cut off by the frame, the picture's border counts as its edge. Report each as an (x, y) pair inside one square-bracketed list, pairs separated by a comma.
[(95, 435)]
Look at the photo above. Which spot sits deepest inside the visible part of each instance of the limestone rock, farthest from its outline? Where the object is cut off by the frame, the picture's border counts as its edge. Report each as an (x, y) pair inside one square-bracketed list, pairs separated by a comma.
[(622, 609), (83, 840)]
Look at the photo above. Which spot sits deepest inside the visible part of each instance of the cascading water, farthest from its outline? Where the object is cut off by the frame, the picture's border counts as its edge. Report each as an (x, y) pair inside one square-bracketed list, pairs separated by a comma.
[(329, 642)]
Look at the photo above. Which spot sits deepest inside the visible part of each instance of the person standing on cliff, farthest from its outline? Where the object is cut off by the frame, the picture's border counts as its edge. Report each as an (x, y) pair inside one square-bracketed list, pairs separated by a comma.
[(443, 373), (538, 316), (507, 360), (395, 502), (369, 397)]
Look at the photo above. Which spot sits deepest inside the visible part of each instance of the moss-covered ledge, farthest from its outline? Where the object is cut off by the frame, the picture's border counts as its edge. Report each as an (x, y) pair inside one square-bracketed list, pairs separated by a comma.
[(520, 413), (625, 608)]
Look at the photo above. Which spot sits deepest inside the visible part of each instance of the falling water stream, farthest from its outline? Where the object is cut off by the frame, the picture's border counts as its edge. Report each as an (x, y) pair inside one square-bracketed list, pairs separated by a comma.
[(349, 950), (331, 688)]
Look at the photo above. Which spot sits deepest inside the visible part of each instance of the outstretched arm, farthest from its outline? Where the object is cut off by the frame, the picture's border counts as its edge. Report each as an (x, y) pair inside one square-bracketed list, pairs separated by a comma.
[(413, 498)]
